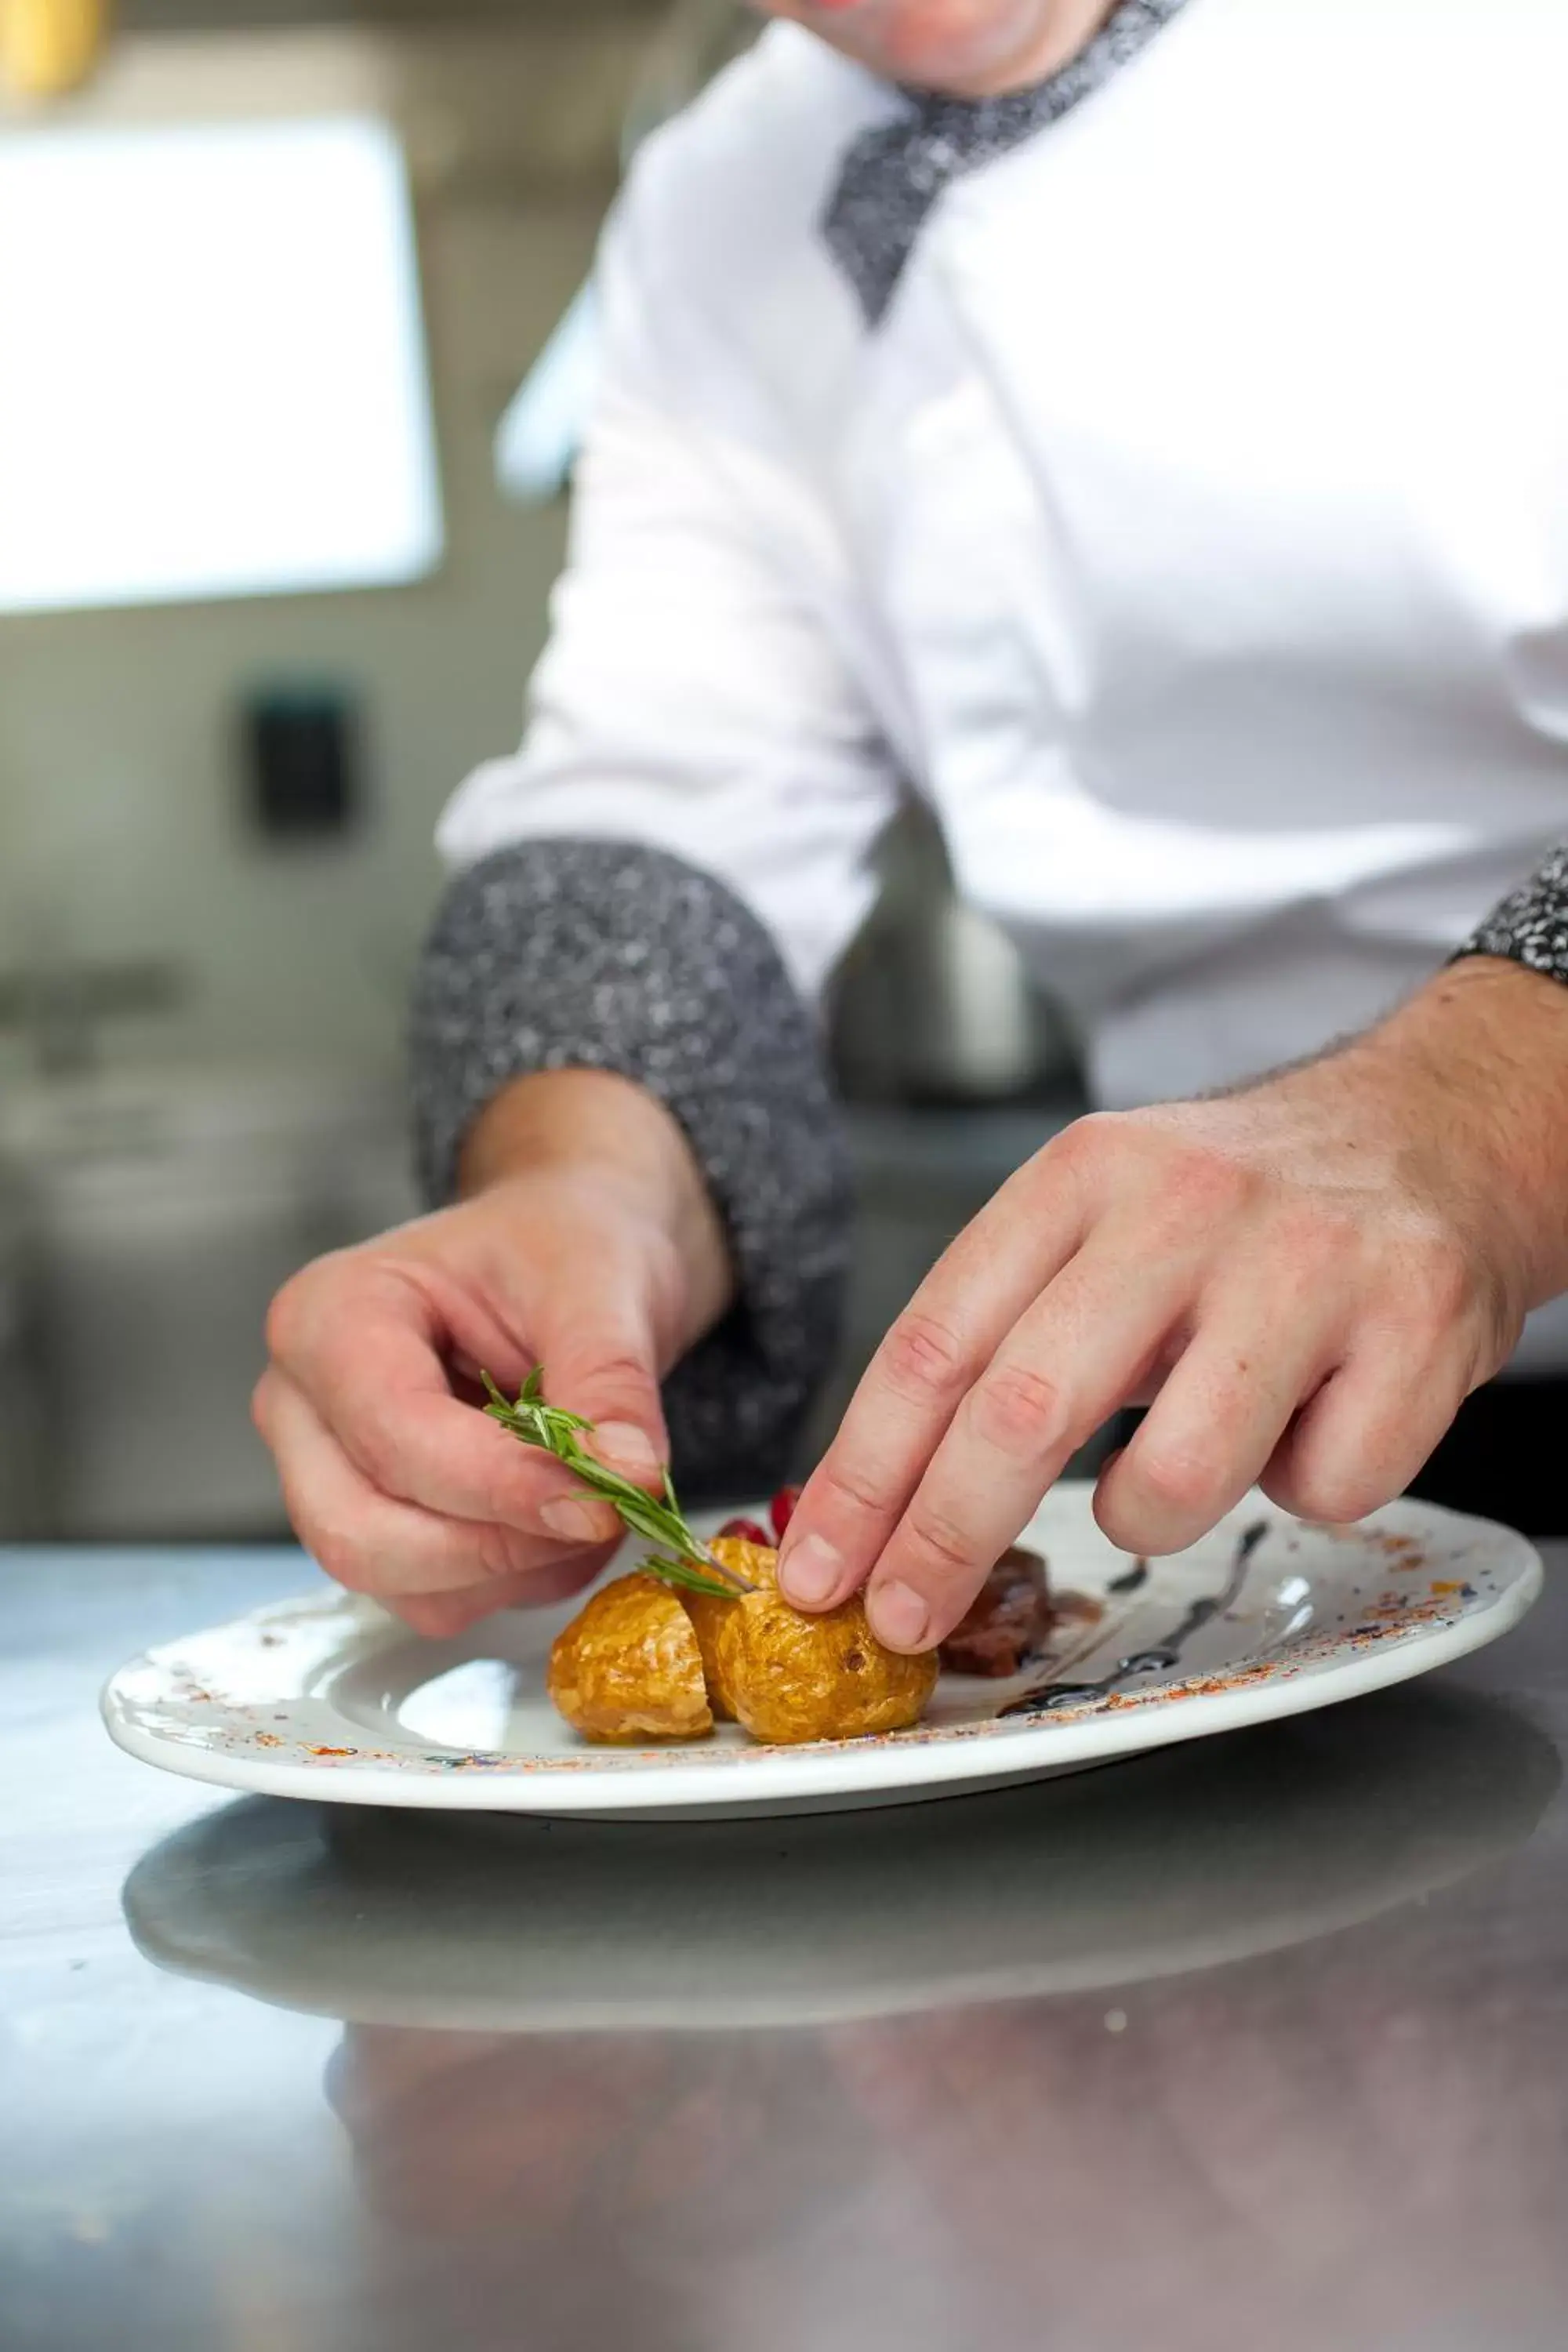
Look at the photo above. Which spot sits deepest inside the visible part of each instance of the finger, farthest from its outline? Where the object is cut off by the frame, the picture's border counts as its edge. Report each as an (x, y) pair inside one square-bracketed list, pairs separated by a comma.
[(368, 1352), (1252, 1361), (371, 1542), (1366, 1433), (599, 1349), (1058, 1375), (918, 1377)]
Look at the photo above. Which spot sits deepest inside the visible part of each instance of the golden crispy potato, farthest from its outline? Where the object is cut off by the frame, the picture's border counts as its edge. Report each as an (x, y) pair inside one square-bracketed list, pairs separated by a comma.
[(759, 1566), (758, 1563), (790, 1677), (629, 1667)]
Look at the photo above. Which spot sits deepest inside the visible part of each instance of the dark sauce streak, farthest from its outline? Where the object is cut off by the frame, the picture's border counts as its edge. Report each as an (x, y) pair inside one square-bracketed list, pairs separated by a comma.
[(1132, 1578), (1067, 1610), (1149, 1662)]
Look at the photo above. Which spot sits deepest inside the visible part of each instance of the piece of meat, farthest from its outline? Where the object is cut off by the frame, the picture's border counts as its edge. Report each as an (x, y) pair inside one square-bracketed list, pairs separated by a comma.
[(1008, 1620)]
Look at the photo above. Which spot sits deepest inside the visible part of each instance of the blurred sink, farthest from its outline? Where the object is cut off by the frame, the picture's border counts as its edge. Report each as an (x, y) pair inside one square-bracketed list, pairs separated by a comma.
[(159, 1210)]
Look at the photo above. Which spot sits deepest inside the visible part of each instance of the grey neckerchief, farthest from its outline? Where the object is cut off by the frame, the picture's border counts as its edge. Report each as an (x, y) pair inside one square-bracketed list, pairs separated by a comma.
[(892, 174)]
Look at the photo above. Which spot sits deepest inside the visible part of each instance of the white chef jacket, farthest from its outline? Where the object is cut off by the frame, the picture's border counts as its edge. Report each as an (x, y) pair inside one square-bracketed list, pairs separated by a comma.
[(1191, 533)]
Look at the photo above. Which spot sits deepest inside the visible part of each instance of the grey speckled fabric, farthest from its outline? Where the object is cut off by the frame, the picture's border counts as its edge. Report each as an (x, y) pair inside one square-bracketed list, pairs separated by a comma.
[(1530, 925), (894, 173), (612, 956)]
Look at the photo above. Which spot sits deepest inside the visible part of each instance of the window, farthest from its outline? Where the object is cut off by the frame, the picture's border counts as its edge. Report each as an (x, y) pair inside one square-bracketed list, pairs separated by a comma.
[(212, 378)]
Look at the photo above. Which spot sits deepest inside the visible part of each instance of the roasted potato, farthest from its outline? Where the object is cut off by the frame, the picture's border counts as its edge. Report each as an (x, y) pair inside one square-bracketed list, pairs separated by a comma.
[(790, 1677), (642, 1662), (629, 1665), (759, 1565)]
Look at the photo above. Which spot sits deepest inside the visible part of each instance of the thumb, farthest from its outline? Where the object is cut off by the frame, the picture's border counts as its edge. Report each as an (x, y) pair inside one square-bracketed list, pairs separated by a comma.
[(601, 1360)]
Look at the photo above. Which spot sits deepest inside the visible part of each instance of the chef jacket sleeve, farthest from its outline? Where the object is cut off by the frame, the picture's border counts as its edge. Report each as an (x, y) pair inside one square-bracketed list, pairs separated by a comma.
[(1530, 925), (695, 694), (658, 883)]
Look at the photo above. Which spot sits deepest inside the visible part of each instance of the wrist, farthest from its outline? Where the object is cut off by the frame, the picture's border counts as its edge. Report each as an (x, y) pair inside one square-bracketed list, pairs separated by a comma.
[(594, 1125), (1483, 1049)]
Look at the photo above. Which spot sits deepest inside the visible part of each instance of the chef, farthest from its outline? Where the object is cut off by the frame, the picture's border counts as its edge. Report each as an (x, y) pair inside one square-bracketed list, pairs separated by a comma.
[(1138, 432)]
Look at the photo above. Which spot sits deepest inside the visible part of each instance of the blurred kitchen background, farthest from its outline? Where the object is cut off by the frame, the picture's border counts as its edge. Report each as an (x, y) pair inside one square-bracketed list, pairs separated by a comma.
[(293, 348)]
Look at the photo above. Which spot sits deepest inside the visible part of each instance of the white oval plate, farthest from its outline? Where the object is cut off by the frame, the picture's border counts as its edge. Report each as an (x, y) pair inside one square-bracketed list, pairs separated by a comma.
[(332, 1698)]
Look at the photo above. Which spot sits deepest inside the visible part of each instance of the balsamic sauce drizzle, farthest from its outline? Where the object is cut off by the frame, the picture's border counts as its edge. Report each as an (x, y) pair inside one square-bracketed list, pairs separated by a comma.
[(1148, 1662)]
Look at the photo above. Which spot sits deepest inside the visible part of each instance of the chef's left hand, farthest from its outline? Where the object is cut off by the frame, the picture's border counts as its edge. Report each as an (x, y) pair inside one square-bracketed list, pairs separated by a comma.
[(1307, 1278)]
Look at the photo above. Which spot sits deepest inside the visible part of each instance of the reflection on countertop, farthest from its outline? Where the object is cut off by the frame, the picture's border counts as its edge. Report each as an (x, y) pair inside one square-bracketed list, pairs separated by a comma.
[(1095, 2057), (1256, 2043), (514, 1924)]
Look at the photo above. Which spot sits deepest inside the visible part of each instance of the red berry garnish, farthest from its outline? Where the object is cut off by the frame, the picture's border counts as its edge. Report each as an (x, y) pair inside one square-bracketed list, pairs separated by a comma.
[(749, 1531), (782, 1508)]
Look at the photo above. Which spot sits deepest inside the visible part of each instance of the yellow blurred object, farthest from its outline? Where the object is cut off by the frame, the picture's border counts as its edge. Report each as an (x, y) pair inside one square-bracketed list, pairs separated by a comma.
[(51, 46)]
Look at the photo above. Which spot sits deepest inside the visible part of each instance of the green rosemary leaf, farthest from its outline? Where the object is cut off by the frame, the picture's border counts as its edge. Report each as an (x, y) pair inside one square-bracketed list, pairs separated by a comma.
[(553, 1430), (688, 1578), (650, 1517), (644, 1517)]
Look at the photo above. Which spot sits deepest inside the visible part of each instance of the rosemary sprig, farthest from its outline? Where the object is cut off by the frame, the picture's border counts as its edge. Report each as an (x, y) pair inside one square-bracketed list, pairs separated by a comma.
[(684, 1559)]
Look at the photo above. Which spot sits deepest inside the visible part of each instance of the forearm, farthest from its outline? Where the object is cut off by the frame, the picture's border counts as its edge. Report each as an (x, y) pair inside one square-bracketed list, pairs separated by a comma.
[(1488, 1037), (616, 963), (612, 1133), (1510, 1023)]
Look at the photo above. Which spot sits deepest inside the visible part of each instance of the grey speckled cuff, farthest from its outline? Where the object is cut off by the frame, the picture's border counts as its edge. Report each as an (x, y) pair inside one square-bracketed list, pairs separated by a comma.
[(1530, 925), (612, 956)]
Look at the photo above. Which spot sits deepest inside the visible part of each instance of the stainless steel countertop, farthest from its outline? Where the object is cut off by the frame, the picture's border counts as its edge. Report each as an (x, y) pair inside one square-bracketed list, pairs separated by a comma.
[(1261, 2043)]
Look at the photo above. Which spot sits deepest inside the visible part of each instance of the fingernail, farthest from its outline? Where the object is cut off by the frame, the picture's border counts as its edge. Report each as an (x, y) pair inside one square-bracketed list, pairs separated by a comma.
[(580, 1521), (899, 1616), (812, 1574), (627, 1448)]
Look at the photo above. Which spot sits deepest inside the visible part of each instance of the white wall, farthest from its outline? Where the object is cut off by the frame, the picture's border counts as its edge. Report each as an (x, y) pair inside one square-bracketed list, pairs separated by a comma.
[(120, 827)]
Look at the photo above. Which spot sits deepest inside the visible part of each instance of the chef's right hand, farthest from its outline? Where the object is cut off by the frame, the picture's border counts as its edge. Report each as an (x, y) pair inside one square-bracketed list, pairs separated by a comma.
[(586, 1242), (1306, 1278)]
